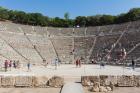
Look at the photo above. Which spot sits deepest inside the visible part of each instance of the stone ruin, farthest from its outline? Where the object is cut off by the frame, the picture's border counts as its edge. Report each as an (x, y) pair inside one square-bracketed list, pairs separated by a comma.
[(31, 81), (104, 83)]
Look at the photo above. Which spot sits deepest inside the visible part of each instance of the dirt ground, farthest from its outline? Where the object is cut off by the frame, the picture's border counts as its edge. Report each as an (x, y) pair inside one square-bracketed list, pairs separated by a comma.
[(120, 90), (29, 90), (57, 90)]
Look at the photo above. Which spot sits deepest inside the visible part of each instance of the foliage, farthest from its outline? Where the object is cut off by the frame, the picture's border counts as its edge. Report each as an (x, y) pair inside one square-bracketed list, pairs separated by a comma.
[(82, 21)]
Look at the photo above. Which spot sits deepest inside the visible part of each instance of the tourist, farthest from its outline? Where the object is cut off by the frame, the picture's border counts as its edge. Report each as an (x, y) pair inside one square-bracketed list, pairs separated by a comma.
[(14, 64), (10, 64), (92, 61), (56, 63), (102, 64), (45, 62), (28, 66), (6, 65), (59, 62), (76, 63), (133, 64), (79, 62)]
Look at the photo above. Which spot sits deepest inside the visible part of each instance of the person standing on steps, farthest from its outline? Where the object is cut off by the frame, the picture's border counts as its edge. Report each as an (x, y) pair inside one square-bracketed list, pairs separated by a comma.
[(29, 66), (133, 64)]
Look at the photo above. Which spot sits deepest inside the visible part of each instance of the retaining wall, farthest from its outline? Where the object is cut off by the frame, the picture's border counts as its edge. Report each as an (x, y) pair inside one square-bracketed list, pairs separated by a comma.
[(57, 81)]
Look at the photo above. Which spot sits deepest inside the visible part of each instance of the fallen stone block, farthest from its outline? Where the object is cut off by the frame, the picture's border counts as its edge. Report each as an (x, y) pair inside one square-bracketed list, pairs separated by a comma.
[(103, 79), (95, 89), (56, 81), (111, 80), (89, 80), (40, 81), (102, 89), (24, 81), (7, 81)]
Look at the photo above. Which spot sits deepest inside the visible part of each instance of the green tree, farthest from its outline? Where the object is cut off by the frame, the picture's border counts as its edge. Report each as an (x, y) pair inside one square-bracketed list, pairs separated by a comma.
[(66, 16), (3, 13)]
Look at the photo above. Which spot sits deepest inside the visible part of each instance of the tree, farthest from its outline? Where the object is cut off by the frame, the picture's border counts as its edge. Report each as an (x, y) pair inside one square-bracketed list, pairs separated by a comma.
[(81, 21), (66, 16), (133, 14), (3, 13), (106, 19), (41, 20)]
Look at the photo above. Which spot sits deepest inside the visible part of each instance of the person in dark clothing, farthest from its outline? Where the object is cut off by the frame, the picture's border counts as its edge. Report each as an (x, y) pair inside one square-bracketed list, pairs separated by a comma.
[(6, 65), (133, 64), (14, 64), (10, 64), (28, 65)]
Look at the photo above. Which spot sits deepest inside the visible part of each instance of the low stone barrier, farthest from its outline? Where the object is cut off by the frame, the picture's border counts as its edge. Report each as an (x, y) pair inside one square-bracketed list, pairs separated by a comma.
[(40, 81), (56, 82), (101, 82), (23, 81), (7, 81), (104, 83), (30, 81), (104, 80), (125, 81)]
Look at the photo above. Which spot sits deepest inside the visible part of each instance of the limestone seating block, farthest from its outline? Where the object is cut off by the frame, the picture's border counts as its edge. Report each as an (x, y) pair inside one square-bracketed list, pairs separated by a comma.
[(111, 80), (0, 81), (55, 81), (40, 81), (137, 80), (24, 81), (7, 81), (125, 81)]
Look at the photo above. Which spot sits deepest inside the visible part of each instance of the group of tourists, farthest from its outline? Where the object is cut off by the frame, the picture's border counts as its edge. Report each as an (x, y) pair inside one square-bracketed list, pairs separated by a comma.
[(8, 64)]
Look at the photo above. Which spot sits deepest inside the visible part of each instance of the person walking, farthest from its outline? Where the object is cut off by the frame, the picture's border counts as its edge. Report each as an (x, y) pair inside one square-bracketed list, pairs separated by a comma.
[(29, 66), (56, 63), (133, 64)]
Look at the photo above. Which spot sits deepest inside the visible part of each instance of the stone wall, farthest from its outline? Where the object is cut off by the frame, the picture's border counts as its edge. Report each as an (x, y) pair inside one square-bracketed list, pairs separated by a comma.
[(57, 81), (105, 80), (30, 81), (105, 83)]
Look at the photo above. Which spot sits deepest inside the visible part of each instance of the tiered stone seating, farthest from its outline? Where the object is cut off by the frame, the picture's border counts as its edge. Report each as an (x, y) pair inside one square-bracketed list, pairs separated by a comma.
[(93, 30), (54, 31), (67, 31), (22, 45), (10, 27), (64, 49), (68, 43), (43, 44), (79, 31)]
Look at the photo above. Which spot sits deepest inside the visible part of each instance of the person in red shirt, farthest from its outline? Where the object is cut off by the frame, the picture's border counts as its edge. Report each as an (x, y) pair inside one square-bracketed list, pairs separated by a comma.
[(76, 63)]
